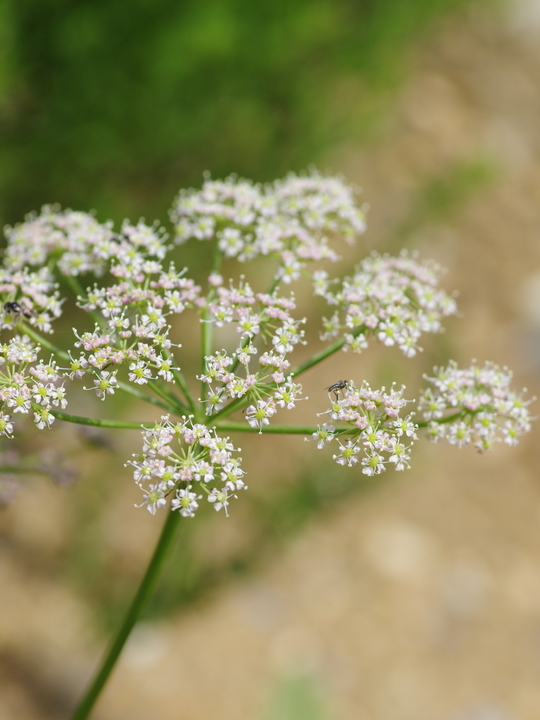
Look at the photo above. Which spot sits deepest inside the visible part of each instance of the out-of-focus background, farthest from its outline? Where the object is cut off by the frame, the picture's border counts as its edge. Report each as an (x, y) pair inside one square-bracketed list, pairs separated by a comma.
[(323, 596)]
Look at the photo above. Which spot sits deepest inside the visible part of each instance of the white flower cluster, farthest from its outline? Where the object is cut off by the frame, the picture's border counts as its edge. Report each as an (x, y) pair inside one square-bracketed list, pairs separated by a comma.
[(75, 239), (78, 244), (256, 315), (133, 312), (140, 291), (380, 434), (288, 219), (394, 299), (135, 323), (474, 405), (27, 384), (178, 457), (28, 296)]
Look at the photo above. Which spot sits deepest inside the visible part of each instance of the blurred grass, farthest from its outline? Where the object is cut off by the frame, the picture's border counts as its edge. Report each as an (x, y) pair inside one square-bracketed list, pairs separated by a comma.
[(113, 105)]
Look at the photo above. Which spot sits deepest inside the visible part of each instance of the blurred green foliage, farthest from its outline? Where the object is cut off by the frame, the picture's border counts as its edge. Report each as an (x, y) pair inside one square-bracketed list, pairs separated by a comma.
[(444, 195), (298, 697), (114, 105)]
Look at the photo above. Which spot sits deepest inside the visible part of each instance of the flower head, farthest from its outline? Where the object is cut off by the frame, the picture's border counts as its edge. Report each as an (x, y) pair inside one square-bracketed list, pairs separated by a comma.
[(394, 299), (474, 405), (374, 428), (176, 457), (289, 219)]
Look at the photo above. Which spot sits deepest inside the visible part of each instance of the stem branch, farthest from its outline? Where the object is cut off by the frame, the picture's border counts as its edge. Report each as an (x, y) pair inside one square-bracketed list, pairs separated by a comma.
[(181, 382), (207, 325), (326, 352), (79, 420)]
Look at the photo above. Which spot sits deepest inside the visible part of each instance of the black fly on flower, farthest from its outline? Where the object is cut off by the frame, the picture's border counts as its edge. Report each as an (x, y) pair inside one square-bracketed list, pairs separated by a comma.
[(13, 308), (336, 387)]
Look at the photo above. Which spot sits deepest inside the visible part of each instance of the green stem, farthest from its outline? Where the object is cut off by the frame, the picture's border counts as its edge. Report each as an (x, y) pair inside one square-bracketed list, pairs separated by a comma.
[(79, 420), (168, 397), (274, 286), (448, 419), (276, 429), (326, 352), (230, 408), (74, 284), (146, 398), (236, 362), (139, 601), (310, 429), (79, 292), (36, 337), (207, 326), (180, 381), (18, 470)]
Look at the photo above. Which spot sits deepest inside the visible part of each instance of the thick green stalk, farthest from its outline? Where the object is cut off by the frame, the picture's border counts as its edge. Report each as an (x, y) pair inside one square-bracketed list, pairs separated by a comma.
[(139, 601)]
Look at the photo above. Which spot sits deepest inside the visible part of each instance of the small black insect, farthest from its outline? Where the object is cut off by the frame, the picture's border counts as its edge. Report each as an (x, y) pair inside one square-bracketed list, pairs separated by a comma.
[(336, 387), (13, 308)]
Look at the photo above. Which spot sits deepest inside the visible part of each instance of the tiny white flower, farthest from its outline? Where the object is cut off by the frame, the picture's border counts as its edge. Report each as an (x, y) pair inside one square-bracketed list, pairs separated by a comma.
[(220, 499), (185, 502)]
